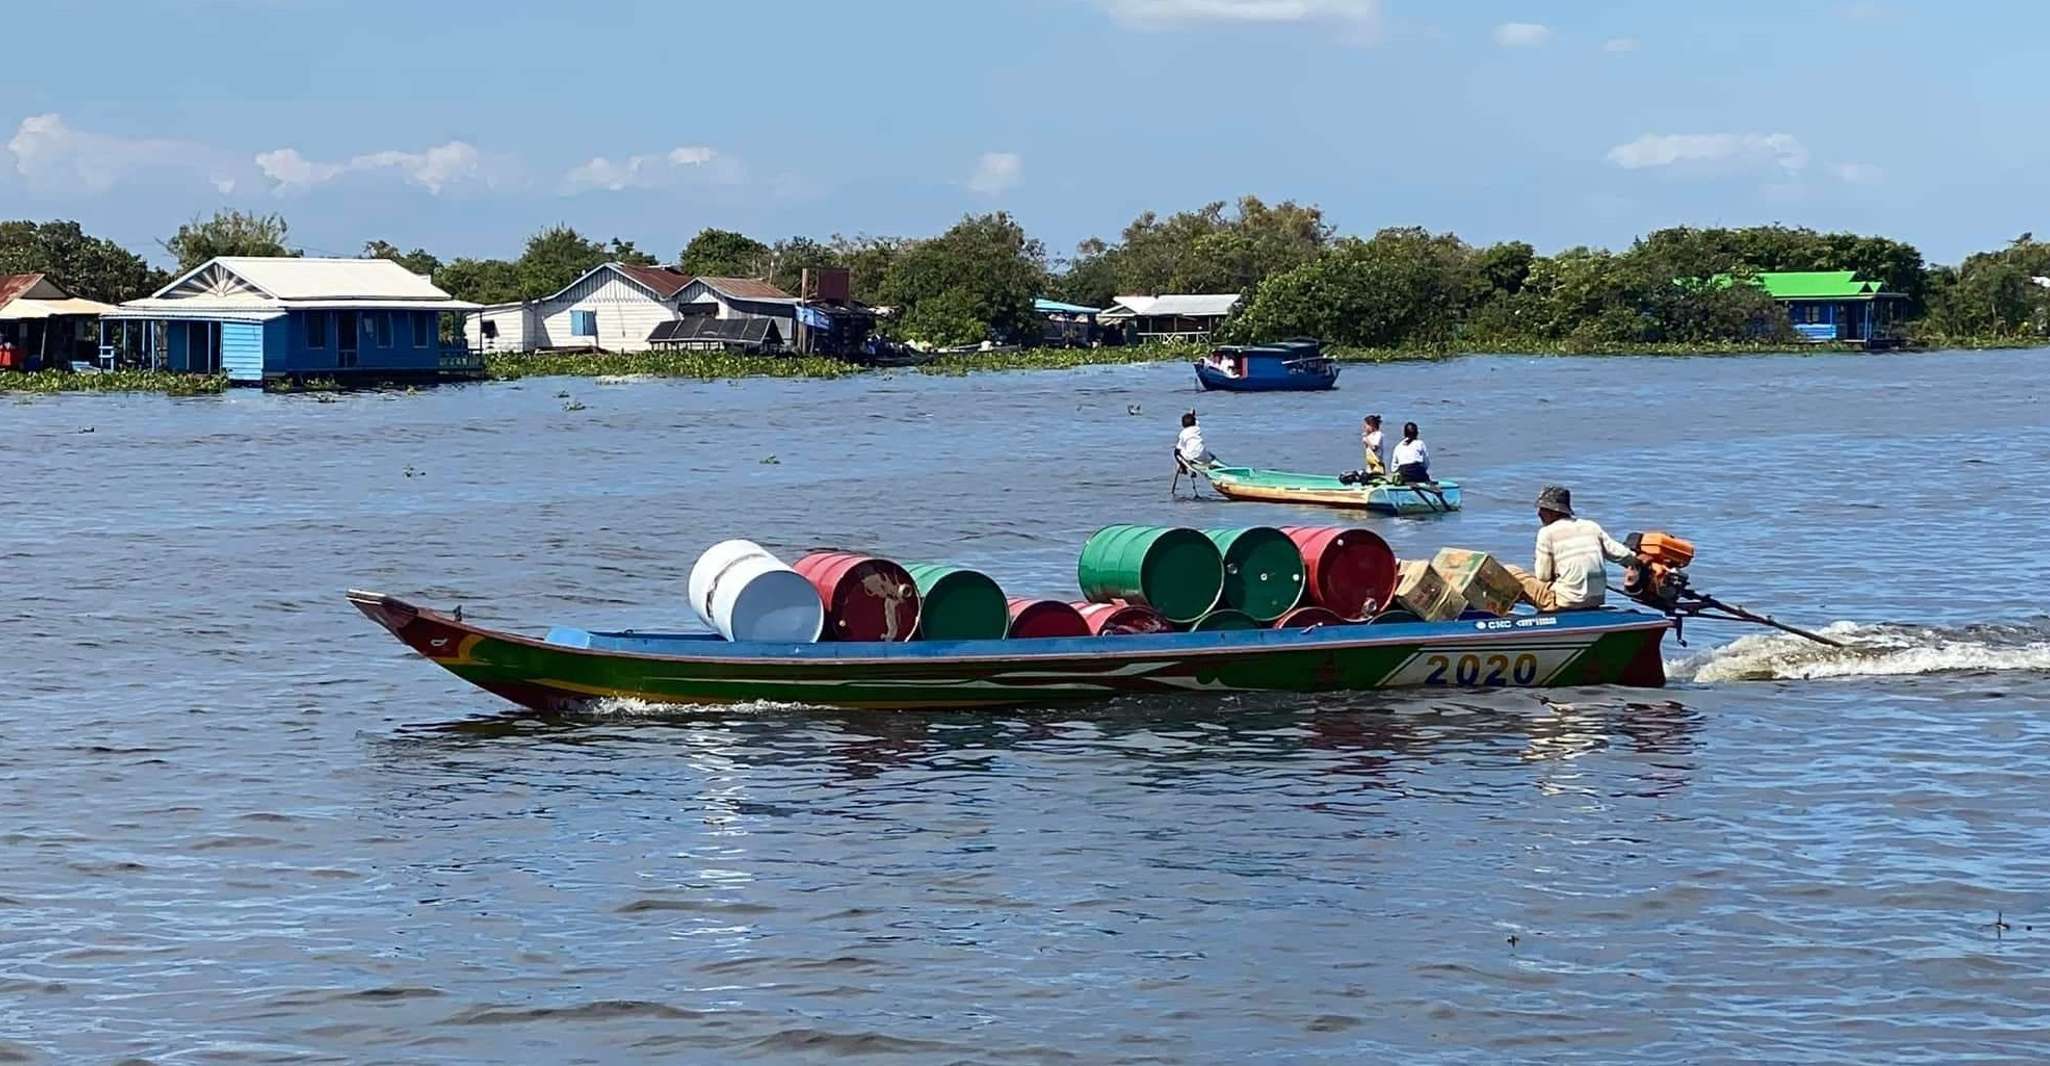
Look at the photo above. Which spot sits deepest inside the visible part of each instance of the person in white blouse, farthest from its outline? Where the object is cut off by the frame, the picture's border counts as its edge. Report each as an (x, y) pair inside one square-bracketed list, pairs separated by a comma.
[(1412, 460)]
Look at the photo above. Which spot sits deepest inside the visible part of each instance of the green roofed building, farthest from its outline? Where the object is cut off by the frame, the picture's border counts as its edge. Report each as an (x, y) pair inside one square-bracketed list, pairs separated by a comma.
[(1834, 305)]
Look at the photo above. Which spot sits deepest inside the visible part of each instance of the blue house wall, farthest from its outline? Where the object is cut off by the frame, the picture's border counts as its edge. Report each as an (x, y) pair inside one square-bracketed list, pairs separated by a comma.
[(397, 340)]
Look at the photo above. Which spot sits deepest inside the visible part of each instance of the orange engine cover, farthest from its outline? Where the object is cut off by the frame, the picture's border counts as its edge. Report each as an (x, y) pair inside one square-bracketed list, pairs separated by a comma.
[(1665, 548)]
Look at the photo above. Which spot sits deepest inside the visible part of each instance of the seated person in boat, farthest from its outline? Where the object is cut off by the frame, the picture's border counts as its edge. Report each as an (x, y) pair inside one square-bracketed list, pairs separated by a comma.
[(1412, 459), (1568, 573), (1188, 447), (1370, 442)]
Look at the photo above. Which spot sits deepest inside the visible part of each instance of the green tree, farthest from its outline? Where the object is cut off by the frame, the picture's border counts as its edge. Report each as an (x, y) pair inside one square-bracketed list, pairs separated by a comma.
[(723, 253), (555, 257), (484, 281), (1205, 250), (1403, 286), (228, 232), (1091, 277), (625, 252), (984, 270), (92, 267), (419, 261)]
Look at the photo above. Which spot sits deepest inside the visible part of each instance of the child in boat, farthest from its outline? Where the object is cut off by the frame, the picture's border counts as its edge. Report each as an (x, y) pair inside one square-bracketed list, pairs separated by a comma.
[(1370, 442), (1412, 459)]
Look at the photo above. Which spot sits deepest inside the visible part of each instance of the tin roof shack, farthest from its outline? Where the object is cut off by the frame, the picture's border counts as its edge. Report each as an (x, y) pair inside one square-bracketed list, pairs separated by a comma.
[(1175, 317), (731, 299), (260, 319), (1065, 325), (611, 308), (44, 326), (1834, 306), (830, 321)]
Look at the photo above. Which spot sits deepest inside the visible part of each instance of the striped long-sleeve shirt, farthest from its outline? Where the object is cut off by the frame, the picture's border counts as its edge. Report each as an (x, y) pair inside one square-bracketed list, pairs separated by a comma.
[(1569, 558)]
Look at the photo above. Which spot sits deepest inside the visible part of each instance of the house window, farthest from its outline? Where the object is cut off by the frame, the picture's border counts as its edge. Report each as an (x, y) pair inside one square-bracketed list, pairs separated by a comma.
[(381, 328), (316, 329), (583, 323), (490, 330), (423, 328)]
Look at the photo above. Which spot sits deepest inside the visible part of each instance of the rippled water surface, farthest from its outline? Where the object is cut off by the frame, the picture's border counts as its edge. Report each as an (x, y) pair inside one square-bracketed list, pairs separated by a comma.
[(243, 825)]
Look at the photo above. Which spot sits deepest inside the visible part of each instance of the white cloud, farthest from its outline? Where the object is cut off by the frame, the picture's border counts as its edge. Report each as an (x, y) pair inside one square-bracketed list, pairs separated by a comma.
[(1522, 34), (435, 169), (1363, 17), (650, 171), (1859, 173), (1620, 44), (997, 173), (1725, 150), (51, 154)]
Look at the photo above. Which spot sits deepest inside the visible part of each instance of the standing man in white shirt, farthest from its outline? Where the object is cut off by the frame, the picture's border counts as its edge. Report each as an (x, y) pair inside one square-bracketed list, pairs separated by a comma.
[(1412, 459), (1370, 443), (1568, 573)]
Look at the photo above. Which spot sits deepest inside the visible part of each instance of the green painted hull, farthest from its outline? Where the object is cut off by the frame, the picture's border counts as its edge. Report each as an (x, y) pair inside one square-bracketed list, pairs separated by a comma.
[(574, 667)]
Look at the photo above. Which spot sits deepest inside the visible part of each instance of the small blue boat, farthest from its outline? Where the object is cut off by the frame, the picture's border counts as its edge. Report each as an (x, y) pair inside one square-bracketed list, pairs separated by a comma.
[(1287, 366)]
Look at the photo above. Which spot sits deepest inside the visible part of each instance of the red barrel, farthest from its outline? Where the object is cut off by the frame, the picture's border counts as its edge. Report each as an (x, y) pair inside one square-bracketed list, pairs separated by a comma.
[(1039, 619), (867, 599), (1350, 572), (1119, 618), (1305, 617)]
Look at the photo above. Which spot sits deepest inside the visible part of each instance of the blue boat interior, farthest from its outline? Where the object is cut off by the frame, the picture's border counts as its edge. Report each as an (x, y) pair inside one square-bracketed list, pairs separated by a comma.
[(711, 644)]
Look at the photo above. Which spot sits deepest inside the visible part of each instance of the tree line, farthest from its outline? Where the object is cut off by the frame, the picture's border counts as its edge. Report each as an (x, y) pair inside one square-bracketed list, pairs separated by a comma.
[(1398, 288)]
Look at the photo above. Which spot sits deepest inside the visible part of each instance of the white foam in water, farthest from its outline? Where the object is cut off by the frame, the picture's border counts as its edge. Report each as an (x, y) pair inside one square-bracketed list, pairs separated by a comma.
[(626, 707), (1874, 651), (622, 379)]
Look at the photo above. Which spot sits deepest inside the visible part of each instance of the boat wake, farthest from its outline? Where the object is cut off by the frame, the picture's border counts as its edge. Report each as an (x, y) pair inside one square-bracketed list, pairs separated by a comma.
[(619, 709), (1875, 650)]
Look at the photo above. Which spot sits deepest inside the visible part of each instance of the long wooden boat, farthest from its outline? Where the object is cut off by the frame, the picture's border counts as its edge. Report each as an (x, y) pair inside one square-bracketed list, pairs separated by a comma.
[(572, 667), (1380, 497)]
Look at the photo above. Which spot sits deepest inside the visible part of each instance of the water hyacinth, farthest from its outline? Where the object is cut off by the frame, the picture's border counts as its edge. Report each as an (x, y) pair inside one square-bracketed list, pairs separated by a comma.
[(56, 381)]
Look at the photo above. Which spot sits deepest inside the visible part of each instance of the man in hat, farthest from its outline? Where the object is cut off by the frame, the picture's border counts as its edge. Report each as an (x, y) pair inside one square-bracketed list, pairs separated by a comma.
[(1568, 573)]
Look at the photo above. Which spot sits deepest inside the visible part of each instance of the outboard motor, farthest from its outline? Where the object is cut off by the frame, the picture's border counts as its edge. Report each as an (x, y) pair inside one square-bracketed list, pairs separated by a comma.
[(1657, 578)]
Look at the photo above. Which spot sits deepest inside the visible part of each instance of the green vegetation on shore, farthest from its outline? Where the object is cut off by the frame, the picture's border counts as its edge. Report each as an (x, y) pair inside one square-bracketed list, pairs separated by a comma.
[(55, 381), (500, 366)]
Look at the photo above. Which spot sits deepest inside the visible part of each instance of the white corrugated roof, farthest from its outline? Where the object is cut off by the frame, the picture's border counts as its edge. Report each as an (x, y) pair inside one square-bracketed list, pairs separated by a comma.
[(332, 279), (1192, 305)]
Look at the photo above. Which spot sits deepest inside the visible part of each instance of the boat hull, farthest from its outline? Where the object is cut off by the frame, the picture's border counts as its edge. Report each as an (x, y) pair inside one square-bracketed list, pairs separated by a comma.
[(574, 667), (1387, 498), (1290, 381)]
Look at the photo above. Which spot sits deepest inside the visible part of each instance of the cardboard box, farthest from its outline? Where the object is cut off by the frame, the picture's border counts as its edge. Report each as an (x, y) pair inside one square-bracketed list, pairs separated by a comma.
[(1422, 591), (1483, 583)]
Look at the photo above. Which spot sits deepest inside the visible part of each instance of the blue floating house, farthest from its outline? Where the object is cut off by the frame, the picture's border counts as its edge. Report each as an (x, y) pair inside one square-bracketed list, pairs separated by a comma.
[(260, 319), (1826, 306)]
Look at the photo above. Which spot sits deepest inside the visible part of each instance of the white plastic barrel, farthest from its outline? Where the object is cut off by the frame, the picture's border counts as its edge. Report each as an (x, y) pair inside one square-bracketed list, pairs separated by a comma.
[(745, 593)]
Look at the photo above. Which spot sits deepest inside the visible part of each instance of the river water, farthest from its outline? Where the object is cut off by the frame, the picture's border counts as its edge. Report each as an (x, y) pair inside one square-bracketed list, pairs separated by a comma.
[(243, 825)]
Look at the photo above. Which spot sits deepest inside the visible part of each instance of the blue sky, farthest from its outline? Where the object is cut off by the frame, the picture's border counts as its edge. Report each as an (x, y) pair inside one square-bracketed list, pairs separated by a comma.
[(463, 125)]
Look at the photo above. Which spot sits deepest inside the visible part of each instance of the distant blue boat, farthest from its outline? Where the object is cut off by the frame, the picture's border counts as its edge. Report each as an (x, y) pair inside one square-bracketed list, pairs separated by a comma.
[(1288, 366)]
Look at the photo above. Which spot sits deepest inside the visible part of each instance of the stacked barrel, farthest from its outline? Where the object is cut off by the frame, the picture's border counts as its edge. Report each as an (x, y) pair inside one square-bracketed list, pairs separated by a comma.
[(1135, 580)]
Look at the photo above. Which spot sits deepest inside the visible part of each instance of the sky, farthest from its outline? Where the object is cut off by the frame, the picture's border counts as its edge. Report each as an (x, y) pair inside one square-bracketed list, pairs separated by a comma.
[(462, 126)]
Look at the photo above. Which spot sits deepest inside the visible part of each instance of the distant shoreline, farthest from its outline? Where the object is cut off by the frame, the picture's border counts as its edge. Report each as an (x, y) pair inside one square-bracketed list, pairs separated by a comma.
[(720, 366)]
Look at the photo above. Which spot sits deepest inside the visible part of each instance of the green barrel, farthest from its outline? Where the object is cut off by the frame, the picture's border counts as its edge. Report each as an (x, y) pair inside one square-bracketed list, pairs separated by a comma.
[(958, 604), (1263, 570), (1222, 619), (1177, 572)]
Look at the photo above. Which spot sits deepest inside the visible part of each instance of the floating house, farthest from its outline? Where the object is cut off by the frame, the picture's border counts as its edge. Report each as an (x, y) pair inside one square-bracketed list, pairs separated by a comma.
[(1177, 317), (259, 319), (1066, 325), (618, 307), (42, 325), (739, 300), (1834, 306), (612, 308)]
